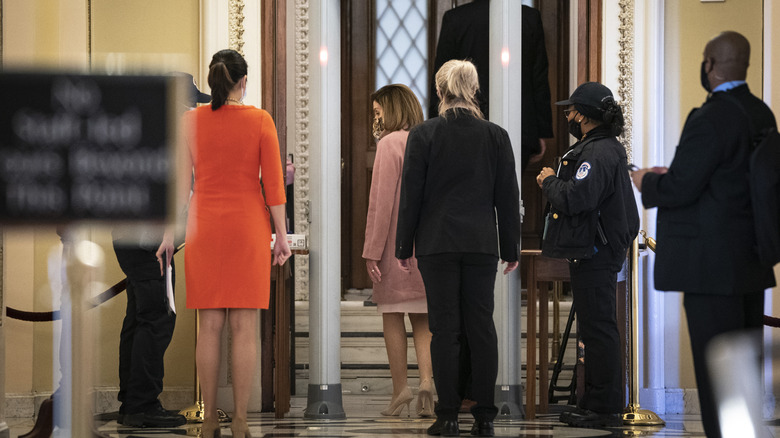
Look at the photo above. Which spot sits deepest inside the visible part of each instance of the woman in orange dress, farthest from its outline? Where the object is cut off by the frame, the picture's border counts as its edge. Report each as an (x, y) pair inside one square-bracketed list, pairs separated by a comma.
[(234, 152)]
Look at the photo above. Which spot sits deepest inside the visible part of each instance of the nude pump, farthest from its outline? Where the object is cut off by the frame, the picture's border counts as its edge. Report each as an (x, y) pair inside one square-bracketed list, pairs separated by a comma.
[(404, 399), (210, 428), (239, 428), (425, 399)]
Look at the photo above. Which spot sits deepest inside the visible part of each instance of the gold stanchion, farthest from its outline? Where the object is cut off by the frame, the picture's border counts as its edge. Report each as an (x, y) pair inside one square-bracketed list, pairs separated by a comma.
[(194, 413), (633, 415)]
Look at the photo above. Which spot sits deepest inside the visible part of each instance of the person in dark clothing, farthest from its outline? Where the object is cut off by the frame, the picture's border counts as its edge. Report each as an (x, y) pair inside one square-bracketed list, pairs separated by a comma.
[(458, 181), (592, 220), (149, 321), (706, 238), (465, 35), (147, 330)]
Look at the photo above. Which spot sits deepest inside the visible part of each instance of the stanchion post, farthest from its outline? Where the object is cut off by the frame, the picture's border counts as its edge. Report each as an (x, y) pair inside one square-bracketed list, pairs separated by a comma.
[(633, 415), (84, 261)]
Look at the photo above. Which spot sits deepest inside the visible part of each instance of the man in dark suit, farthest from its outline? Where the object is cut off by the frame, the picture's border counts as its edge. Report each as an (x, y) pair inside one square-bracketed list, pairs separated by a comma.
[(706, 239), (465, 35)]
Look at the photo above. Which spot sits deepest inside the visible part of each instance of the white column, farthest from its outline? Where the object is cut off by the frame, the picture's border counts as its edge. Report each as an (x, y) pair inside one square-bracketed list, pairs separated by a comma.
[(324, 393), (505, 76), (648, 140)]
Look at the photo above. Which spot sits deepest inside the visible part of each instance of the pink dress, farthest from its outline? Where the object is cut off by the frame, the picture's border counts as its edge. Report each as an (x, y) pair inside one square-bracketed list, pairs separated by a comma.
[(399, 291)]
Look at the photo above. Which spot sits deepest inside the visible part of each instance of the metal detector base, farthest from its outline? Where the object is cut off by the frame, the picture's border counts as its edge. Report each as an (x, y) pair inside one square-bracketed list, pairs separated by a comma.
[(194, 414), (323, 402), (509, 399)]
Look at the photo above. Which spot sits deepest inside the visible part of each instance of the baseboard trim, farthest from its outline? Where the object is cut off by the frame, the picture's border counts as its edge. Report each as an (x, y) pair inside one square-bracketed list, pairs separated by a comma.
[(27, 405)]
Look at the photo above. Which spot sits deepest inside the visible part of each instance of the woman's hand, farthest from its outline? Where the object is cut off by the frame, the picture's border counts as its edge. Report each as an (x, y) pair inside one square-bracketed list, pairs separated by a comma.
[(510, 266), (165, 250), (404, 265), (281, 249), (373, 271), (546, 172)]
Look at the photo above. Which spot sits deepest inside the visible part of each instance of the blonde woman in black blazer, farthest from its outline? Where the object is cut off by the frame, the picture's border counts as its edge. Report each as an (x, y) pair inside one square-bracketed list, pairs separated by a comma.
[(459, 180)]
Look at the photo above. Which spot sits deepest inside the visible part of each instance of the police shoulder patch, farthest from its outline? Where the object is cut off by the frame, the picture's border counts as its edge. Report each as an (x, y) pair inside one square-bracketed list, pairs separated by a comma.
[(583, 171)]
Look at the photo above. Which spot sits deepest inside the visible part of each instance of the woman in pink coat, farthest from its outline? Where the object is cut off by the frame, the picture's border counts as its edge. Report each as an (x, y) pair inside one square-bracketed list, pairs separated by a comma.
[(396, 110)]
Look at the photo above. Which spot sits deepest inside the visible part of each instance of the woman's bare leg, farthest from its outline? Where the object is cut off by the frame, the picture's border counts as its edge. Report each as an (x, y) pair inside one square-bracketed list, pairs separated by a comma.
[(207, 356), (243, 326)]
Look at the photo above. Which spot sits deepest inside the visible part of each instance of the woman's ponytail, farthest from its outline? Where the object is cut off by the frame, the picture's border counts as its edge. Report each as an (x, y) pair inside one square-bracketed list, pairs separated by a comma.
[(227, 67)]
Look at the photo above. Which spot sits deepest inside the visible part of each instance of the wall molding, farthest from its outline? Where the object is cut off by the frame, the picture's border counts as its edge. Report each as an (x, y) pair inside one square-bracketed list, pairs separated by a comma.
[(236, 25), (301, 144), (626, 72)]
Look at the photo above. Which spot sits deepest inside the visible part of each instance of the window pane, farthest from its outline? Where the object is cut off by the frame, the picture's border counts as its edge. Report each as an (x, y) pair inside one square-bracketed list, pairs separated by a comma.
[(402, 45)]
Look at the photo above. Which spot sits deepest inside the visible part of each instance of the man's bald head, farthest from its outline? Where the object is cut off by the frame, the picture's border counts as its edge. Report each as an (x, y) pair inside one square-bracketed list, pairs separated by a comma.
[(729, 52)]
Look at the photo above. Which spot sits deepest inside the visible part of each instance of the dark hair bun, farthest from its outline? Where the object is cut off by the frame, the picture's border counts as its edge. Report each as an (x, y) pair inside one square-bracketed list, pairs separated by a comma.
[(611, 109)]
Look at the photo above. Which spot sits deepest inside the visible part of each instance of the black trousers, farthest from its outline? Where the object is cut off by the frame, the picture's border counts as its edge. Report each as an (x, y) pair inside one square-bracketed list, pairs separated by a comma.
[(710, 316), (146, 331), (593, 286), (459, 290)]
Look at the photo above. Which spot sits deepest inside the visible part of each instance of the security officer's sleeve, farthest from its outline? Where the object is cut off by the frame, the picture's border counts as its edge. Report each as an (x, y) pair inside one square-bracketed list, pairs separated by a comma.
[(592, 182)]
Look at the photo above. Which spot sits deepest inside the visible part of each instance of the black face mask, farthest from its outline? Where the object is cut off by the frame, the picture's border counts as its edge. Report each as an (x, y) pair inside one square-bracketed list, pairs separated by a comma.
[(575, 128), (705, 81)]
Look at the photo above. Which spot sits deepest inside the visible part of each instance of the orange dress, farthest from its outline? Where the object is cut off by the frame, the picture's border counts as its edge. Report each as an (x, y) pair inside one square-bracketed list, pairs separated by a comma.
[(227, 258)]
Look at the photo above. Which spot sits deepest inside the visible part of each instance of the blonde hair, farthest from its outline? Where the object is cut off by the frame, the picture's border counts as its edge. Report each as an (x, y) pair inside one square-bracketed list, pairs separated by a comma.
[(457, 83), (400, 107)]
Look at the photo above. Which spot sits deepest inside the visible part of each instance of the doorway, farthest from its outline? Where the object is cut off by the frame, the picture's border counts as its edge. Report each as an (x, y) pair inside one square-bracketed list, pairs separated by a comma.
[(362, 65)]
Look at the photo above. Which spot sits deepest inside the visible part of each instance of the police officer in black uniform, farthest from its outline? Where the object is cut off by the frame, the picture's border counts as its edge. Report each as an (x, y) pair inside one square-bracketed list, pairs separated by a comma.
[(592, 219)]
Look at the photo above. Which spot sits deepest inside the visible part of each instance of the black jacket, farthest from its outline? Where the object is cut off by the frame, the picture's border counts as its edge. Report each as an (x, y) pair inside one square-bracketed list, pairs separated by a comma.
[(459, 180), (465, 35), (592, 186), (706, 241)]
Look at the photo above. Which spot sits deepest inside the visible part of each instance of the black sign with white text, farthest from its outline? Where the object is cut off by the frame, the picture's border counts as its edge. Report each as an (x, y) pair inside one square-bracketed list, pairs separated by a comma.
[(84, 147)]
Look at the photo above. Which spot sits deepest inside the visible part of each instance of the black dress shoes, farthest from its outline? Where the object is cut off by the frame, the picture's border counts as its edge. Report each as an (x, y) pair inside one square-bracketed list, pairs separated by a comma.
[(588, 419), (157, 417), (565, 415), (444, 428), (482, 428)]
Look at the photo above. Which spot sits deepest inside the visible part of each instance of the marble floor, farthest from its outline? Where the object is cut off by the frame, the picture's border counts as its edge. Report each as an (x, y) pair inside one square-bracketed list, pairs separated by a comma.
[(363, 420)]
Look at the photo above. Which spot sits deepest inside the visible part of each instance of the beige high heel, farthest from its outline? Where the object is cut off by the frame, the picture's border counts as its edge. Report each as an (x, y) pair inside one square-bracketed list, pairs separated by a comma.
[(425, 399), (210, 428), (240, 429), (398, 403)]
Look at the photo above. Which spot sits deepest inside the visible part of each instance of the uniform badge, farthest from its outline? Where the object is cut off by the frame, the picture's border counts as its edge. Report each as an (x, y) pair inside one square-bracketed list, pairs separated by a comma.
[(583, 171)]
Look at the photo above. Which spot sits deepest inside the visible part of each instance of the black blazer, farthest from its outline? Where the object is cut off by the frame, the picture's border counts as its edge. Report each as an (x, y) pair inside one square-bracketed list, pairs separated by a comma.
[(706, 240), (465, 35), (459, 180)]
